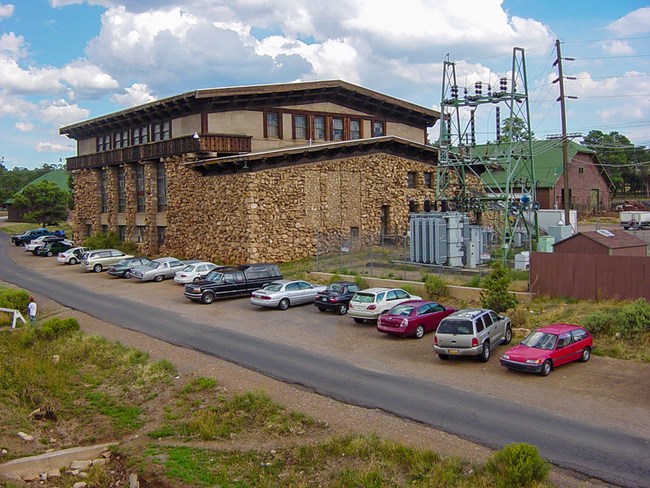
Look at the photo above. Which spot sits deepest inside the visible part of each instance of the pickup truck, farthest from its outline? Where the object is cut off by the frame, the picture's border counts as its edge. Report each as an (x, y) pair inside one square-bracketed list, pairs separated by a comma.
[(228, 281), (22, 239), (635, 220)]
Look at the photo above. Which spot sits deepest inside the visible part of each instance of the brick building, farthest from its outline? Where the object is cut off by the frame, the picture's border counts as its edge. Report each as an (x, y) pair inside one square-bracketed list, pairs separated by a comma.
[(253, 173)]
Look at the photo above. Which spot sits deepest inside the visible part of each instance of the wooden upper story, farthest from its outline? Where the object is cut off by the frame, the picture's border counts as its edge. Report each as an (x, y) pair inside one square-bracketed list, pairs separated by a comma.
[(229, 121)]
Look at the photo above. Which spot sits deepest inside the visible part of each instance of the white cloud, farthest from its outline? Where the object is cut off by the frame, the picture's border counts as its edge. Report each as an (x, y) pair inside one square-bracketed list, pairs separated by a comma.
[(86, 79), (52, 147), (24, 126), (636, 22), (136, 94), (12, 45), (6, 10), (60, 112), (617, 48), (15, 79)]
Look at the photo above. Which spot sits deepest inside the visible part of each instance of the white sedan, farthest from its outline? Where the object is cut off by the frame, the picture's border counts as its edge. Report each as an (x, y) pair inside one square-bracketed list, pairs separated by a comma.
[(194, 272), (282, 294)]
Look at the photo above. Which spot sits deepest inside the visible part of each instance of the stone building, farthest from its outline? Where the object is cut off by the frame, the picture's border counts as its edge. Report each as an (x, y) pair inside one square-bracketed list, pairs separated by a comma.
[(251, 174)]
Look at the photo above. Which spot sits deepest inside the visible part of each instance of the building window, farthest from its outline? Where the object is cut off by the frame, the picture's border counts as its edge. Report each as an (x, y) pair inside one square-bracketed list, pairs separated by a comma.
[(104, 143), (161, 180), (337, 129), (355, 129), (410, 179), (139, 233), (117, 140), (319, 127), (428, 180), (581, 170), (354, 232), (377, 129), (104, 190), (104, 229), (89, 230), (139, 188), (162, 232), (125, 138), (121, 232), (156, 132), (300, 127), (141, 135), (272, 125), (121, 189), (166, 130)]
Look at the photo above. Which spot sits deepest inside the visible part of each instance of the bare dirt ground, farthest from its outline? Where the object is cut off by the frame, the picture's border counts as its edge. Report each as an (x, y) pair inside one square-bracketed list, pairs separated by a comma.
[(613, 391)]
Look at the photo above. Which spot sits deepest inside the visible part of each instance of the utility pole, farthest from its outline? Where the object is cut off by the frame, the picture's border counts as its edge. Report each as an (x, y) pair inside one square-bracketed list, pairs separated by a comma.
[(565, 141)]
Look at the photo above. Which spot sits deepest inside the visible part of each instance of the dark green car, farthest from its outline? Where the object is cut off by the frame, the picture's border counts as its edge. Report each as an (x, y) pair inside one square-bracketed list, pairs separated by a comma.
[(123, 268), (53, 248)]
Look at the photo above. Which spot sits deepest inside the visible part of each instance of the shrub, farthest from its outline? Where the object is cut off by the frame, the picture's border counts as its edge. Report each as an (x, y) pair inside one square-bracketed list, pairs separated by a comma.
[(109, 241), (495, 294), (12, 298), (629, 321), (474, 282), (435, 287), (517, 465), (519, 316), (360, 282), (56, 327)]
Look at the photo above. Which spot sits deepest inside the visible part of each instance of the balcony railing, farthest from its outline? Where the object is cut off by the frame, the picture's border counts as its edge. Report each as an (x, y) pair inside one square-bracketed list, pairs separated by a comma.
[(209, 145)]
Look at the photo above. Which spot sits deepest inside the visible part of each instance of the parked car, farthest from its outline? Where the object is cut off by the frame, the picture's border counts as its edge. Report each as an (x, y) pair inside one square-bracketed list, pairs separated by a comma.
[(471, 332), (53, 248), (370, 303), (35, 244), (228, 281), (413, 318), (336, 296), (71, 256), (548, 347), (282, 294), (157, 269), (122, 269), (98, 260), (22, 239), (194, 272)]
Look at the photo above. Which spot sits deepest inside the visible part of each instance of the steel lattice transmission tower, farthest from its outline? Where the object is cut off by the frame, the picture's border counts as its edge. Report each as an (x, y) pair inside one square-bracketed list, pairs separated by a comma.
[(505, 165)]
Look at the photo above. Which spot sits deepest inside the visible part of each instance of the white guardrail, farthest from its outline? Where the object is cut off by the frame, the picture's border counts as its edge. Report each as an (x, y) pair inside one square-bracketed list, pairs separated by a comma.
[(16, 315)]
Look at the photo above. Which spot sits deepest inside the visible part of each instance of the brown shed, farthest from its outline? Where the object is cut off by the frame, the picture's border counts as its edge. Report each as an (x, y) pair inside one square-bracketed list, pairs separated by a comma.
[(608, 242)]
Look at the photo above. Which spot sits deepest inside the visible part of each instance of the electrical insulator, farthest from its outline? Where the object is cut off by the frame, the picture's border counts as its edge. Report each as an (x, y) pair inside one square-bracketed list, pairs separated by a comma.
[(503, 84), (454, 92), (465, 93), (471, 128), (498, 122), (489, 90), (478, 88)]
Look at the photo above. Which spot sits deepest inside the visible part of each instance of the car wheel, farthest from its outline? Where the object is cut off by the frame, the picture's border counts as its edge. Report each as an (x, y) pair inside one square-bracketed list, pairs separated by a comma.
[(72, 261), (197, 279), (49, 254), (207, 297), (127, 274), (507, 338), (158, 278), (284, 304), (97, 268), (586, 354), (343, 309), (546, 368), (358, 321), (485, 352), (419, 332), (444, 357), (321, 309), (34, 252)]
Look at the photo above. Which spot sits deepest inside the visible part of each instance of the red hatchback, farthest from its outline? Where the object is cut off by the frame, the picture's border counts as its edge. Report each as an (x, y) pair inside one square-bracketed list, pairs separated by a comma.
[(412, 318), (549, 347)]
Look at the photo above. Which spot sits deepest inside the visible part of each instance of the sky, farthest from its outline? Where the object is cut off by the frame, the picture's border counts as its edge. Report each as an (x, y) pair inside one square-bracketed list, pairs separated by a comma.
[(64, 61)]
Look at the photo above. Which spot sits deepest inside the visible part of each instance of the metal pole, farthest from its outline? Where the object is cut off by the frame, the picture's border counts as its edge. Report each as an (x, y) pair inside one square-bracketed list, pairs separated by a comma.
[(565, 142)]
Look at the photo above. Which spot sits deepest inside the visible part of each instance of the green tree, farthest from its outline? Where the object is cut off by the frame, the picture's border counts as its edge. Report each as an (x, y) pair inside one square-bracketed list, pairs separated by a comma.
[(14, 179), (495, 295), (45, 203), (519, 130)]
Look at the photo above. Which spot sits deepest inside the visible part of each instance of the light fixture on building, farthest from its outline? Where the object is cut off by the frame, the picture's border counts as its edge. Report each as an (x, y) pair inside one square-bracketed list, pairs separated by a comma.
[(196, 136)]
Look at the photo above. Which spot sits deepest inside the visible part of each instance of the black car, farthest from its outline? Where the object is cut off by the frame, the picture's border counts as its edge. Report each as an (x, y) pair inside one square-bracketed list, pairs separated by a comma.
[(336, 296), (53, 248), (124, 267)]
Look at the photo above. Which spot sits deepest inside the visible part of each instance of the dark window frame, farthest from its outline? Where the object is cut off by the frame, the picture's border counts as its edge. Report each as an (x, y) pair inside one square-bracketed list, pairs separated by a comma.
[(272, 129), (161, 187), (300, 132), (140, 189)]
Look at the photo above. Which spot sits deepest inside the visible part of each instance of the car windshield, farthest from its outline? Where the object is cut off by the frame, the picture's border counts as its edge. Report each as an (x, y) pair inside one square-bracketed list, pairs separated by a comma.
[(456, 326), (402, 310), (540, 340), (335, 287), (214, 276), (364, 298), (189, 268), (123, 262), (272, 287)]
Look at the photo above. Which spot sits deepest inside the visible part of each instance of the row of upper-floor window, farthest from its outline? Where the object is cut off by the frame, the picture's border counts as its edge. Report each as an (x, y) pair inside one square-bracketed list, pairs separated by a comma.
[(320, 127), (140, 189), (154, 132), (138, 235)]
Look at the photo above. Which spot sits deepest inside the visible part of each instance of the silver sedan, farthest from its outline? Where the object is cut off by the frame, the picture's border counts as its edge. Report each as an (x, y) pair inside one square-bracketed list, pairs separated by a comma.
[(158, 269), (282, 294)]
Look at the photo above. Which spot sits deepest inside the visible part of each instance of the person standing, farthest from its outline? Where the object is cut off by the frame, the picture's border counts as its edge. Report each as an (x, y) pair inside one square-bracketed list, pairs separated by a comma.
[(31, 309)]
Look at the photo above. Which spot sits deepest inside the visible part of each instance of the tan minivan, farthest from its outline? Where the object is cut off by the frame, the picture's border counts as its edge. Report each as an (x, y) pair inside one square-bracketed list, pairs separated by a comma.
[(100, 259)]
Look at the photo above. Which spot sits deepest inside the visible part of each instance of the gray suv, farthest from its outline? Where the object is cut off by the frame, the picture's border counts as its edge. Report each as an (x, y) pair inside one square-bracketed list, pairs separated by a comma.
[(471, 332)]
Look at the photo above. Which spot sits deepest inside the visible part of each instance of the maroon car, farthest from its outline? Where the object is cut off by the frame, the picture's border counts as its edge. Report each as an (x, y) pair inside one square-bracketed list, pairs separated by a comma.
[(549, 347), (413, 318)]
